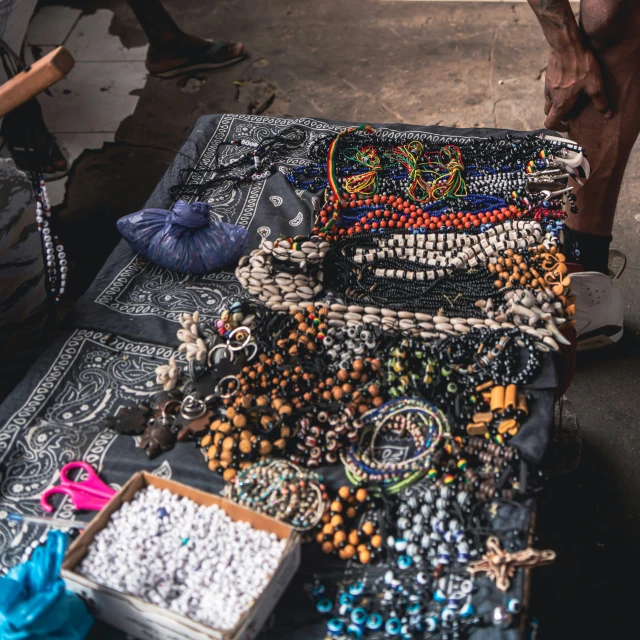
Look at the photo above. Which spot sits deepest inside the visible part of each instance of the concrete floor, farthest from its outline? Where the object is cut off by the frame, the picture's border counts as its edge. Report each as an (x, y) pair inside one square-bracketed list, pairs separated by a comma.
[(452, 63)]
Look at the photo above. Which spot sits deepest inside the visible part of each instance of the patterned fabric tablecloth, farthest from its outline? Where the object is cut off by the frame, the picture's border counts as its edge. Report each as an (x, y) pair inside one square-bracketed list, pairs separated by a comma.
[(125, 325)]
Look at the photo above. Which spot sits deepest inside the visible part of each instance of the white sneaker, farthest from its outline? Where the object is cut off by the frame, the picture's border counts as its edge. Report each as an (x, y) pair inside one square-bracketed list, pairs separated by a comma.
[(599, 308)]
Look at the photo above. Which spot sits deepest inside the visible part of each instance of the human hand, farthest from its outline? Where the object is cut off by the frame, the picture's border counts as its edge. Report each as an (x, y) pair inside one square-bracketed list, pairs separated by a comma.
[(570, 74)]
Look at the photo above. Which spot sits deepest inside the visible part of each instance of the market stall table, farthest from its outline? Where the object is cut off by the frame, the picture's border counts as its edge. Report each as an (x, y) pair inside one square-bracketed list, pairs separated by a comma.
[(104, 360)]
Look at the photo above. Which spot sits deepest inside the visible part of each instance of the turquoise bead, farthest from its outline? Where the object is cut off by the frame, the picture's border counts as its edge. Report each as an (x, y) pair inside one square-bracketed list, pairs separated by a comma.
[(374, 622), (393, 626)]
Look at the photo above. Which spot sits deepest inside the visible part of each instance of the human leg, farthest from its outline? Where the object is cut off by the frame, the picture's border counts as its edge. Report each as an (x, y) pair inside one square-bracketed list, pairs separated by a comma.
[(24, 130), (14, 19), (171, 51), (612, 30)]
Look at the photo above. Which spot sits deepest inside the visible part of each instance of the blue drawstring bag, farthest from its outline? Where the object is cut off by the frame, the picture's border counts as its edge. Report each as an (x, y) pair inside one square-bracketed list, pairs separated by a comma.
[(34, 603), (184, 239)]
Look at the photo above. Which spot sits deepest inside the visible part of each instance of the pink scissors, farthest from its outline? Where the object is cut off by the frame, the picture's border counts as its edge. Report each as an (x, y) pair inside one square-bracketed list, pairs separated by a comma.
[(90, 494)]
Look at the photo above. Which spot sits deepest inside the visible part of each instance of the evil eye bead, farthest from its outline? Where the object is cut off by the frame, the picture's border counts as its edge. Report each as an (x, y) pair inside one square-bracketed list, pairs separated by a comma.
[(455, 598), (354, 632), (359, 616), (400, 545), (393, 626), (431, 623), (466, 586), (318, 590), (374, 622), (467, 610), (439, 596), (502, 618), (356, 588), (335, 627), (404, 562), (514, 606), (414, 608), (447, 614), (346, 600), (422, 578), (324, 606)]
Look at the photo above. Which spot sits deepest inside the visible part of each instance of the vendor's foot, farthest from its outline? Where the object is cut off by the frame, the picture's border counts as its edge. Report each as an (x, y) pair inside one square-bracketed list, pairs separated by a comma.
[(191, 55), (599, 308)]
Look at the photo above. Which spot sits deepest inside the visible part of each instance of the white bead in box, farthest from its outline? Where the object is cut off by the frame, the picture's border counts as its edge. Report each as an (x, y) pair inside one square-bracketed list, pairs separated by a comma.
[(192, 559)]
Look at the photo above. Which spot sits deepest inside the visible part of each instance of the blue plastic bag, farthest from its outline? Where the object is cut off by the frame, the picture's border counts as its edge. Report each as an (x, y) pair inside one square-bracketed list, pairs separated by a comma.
[(184, 239), (34, 603)]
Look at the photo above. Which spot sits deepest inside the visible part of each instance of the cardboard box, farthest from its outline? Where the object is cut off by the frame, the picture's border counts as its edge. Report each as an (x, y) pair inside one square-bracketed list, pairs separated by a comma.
[(150, 622)]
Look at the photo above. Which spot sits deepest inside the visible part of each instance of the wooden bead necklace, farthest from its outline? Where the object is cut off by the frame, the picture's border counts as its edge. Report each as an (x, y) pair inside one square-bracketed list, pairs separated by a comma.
[(349, 528)]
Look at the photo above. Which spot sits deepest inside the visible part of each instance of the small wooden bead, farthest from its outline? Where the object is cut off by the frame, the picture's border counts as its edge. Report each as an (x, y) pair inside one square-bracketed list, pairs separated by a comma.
[(364, 556)]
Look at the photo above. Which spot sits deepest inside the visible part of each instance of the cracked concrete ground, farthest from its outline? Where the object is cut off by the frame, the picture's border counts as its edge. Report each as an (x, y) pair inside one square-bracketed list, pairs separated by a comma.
[(452, 63)]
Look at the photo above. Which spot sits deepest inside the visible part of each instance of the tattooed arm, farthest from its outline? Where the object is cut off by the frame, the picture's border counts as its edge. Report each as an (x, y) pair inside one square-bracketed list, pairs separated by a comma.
[(572, 69)]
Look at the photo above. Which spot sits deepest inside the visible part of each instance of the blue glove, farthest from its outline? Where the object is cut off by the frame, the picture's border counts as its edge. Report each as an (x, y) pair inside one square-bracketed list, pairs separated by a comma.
[(34, 603)]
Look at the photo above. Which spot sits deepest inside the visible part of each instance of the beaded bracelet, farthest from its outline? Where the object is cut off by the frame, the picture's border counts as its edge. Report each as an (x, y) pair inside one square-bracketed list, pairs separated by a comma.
[(282, 490), (426, 425)]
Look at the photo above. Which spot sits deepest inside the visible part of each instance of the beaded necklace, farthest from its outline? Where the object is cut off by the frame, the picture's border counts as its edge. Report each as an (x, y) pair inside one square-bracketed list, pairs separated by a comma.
[(55, 256), (257, 163), (361, 164)]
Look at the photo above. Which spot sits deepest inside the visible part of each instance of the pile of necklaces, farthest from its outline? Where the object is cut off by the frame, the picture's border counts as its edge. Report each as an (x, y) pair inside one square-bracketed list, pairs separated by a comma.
[(397, 342)]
